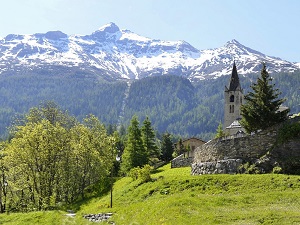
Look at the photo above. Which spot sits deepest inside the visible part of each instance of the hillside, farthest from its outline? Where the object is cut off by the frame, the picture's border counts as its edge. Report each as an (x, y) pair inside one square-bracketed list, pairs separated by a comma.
[(173, 103), (176, 197)]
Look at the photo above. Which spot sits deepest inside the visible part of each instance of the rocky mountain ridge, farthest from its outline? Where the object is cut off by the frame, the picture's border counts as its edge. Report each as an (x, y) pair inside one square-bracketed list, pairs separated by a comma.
[(122, 54)]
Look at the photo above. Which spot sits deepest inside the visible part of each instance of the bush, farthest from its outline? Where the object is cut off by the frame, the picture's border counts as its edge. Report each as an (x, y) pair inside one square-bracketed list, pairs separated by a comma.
[(143, 174), (134, 173), (277, 170)]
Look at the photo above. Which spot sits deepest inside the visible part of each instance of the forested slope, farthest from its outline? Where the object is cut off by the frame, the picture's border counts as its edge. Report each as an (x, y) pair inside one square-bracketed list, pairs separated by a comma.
[(79, 95), (172, 103)]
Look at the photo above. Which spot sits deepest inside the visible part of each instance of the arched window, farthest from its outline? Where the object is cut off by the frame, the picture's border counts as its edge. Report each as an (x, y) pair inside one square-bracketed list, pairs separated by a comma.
[(231, 98)]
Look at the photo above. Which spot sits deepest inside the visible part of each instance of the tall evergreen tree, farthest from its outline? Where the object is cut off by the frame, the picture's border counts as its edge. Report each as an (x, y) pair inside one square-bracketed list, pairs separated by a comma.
[(167, 148), (149, 139), (261, 108), (134, 153)]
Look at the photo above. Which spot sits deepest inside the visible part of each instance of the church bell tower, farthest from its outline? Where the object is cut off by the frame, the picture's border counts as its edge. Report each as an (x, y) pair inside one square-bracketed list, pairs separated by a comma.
[(233, 100)]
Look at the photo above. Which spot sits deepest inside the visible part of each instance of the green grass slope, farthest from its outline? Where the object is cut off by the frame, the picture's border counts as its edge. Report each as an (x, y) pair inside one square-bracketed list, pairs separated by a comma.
[(176, 197)]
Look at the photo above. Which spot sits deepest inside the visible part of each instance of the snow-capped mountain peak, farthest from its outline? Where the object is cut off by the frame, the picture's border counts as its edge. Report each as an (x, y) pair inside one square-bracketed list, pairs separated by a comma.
[(107, 33), (232, 42), (109, 28), (120, 53)]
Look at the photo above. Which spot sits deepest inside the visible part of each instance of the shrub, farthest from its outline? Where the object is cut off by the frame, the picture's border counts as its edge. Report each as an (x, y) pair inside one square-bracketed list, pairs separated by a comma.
[(134, 173), (143, 174), (277, 170)]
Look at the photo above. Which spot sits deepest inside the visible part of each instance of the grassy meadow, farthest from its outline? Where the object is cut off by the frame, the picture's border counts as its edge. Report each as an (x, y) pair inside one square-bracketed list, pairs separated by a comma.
[(175, 197)]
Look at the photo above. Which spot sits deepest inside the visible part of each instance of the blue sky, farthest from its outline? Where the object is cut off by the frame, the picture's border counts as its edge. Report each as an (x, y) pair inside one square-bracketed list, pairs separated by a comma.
[(269, 26)]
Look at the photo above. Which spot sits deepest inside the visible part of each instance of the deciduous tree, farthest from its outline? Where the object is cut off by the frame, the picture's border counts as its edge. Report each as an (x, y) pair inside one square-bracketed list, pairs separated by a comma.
[(50, 161), (33, 158)]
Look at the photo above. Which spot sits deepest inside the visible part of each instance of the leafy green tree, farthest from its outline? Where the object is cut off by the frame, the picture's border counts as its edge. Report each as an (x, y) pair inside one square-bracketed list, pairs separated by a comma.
[(149, 139), (47, 110), (93, 153), (167, 148), (261, 108), (49, 162), (220, 131), (134, 154), (33, 159)]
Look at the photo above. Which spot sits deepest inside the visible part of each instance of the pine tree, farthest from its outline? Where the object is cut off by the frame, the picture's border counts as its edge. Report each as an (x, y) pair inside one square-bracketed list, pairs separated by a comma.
[(167, 148), (220, 132), (261, 108), (134, 153), (149, 139)]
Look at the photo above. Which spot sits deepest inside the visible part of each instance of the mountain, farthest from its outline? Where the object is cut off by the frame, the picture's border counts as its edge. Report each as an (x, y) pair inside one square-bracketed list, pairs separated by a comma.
[(76, 73), (122, 54)]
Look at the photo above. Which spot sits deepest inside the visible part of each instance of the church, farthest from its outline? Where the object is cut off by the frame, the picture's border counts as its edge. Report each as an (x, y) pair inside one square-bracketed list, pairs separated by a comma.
[(233, 100)]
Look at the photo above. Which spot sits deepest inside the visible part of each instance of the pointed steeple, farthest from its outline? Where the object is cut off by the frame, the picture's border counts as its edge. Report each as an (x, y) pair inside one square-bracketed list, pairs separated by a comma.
[(234, 81)]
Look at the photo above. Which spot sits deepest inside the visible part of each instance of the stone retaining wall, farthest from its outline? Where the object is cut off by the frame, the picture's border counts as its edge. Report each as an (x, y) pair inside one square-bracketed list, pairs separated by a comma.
[(223, 151), (229, 166), (181, 161), (247, 147)]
